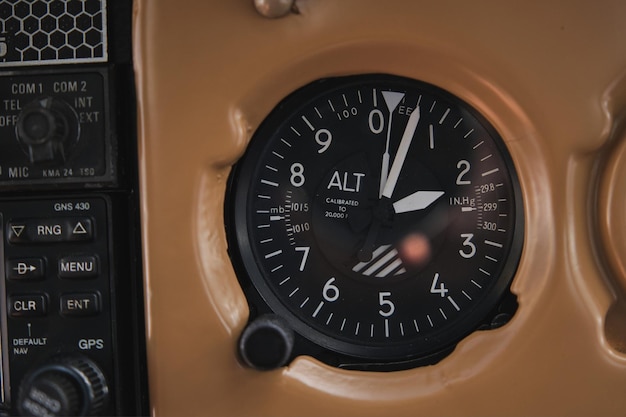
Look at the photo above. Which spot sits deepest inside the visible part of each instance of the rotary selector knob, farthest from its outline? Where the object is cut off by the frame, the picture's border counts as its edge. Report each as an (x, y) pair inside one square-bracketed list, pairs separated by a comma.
[(48, 128), (67, 386)]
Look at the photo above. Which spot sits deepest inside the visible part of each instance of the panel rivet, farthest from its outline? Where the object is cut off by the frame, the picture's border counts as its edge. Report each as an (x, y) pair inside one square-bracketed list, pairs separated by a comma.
[(274, 8)]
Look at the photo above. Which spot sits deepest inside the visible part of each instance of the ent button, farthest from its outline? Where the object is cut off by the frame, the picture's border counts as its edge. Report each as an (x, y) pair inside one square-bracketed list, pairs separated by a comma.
[(80, 305), (50, 230)]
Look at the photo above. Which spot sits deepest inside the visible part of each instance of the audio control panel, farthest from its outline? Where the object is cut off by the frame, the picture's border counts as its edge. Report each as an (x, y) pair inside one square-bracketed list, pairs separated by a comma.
[(71, 301), (54, 128)]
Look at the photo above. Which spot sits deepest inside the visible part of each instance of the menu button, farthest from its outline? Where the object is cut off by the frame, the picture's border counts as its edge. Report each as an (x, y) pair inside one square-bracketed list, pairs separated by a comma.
[(78, 266)]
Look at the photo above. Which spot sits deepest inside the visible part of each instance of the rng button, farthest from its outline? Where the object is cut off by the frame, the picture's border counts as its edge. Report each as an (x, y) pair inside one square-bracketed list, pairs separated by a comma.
[(50, 230)]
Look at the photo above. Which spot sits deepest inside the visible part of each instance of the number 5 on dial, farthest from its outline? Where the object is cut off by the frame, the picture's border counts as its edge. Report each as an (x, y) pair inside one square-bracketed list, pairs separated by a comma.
[(389, 307)]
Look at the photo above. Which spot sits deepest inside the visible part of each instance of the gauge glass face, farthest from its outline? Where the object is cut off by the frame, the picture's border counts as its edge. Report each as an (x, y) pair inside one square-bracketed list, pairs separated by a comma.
[(380, 216)]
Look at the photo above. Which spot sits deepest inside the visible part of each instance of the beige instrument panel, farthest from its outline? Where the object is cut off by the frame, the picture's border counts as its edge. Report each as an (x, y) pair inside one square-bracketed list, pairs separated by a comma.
[(550, 76)]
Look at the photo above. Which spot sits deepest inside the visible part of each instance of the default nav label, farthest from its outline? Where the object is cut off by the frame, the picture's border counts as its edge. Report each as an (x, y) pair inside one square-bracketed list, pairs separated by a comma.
[(19, 344), (30, 341)]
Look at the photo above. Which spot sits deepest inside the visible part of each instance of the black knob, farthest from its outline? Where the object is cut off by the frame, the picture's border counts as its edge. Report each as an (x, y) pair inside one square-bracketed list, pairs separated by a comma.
[(266, 343), (67, 386), (47, 128)]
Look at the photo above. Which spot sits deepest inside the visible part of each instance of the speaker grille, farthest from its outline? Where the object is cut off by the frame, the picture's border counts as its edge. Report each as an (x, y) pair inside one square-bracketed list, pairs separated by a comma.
[(42, 32)]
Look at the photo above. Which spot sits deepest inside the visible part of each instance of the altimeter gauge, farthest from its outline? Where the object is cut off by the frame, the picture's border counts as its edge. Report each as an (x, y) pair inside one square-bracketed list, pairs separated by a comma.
[(380, 217)]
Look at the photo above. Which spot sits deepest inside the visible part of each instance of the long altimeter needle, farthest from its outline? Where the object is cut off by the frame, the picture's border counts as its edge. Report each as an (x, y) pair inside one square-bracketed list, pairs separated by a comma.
[(403, 149), (392, 99)]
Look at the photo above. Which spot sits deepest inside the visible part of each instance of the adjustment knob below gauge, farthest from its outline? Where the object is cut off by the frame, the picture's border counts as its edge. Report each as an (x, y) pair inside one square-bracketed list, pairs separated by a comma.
[(47, 128), (67, 386)]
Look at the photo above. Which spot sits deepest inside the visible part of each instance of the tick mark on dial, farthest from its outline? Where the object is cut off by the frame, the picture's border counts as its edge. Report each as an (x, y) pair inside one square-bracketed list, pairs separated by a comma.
[(445, 114), (317, 310), (308, 123)]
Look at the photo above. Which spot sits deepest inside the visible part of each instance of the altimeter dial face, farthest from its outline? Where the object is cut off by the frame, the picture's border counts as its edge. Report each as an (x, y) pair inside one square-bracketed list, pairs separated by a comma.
[(380, 216)]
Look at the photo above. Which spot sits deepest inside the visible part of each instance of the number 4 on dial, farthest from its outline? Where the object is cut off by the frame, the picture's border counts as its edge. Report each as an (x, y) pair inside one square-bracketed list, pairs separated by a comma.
[(441, 290)]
